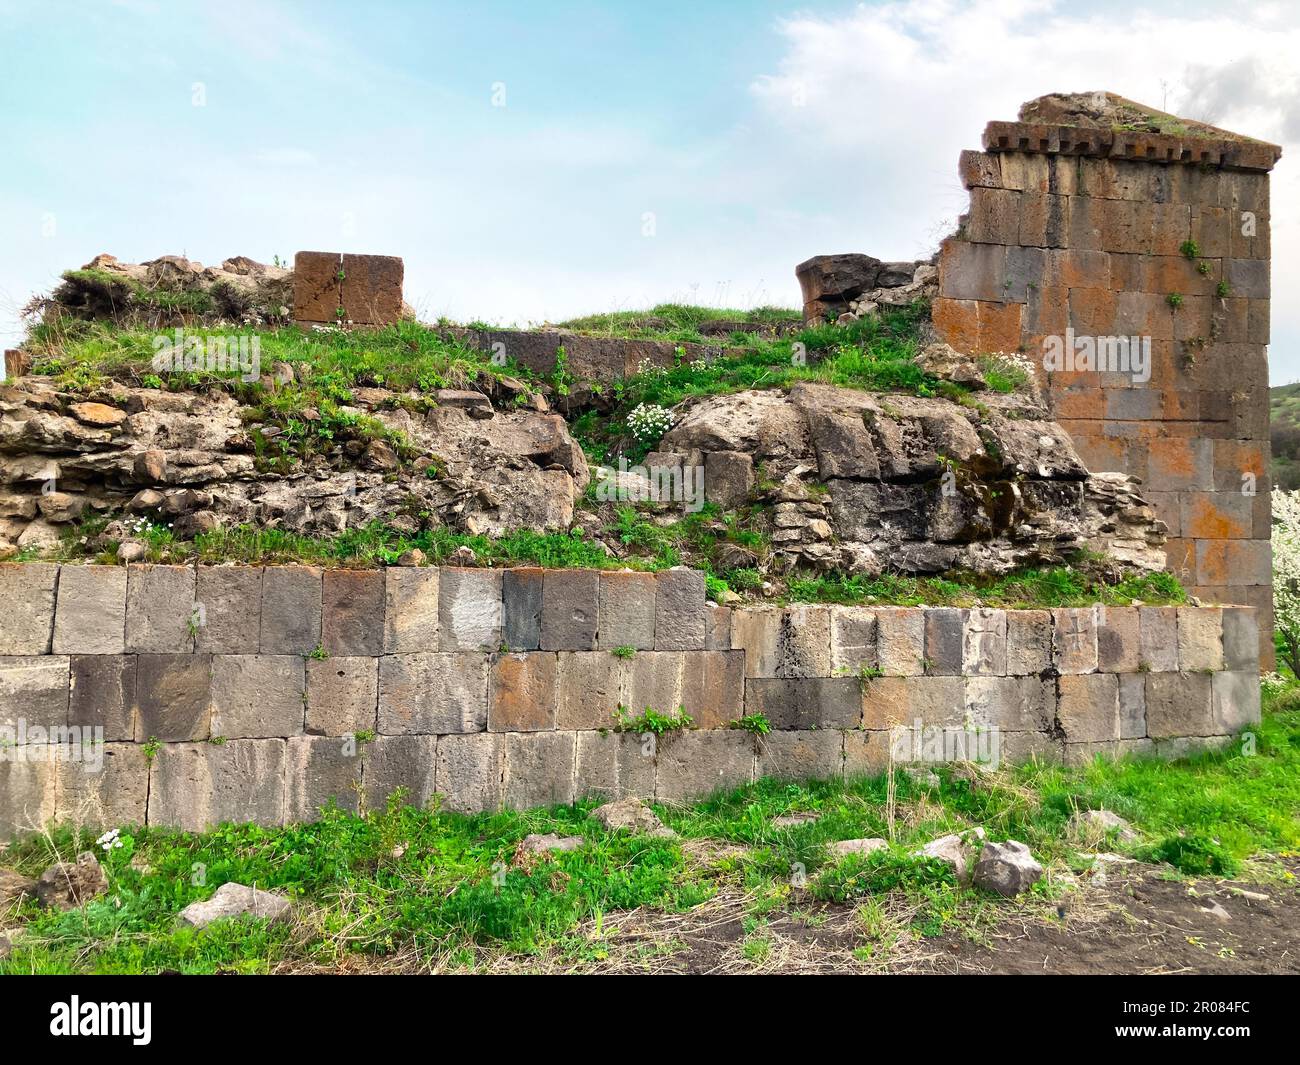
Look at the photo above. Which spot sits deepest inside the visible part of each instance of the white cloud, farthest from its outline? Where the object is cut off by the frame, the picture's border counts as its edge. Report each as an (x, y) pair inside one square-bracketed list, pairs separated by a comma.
[(884, 97)]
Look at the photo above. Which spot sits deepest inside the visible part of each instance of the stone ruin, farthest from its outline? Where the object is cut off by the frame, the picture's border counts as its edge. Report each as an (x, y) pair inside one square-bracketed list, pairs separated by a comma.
[(497, 687)]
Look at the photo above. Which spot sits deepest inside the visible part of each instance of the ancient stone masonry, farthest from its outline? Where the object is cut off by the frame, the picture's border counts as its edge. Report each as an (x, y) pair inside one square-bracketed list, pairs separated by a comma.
[(1094, 220), (229, 693), (340, 288)]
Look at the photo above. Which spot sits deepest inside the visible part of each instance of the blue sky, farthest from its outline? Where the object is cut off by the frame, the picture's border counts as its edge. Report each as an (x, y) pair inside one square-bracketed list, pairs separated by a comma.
[(752, 134)]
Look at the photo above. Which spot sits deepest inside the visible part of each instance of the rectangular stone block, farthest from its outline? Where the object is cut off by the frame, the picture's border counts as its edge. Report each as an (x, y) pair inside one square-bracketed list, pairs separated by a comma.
[(1240, 639), (980, 169), (342, 696), (228, 602), (713, 687), (656, 680), (113, 793), (804, 642), (801, 755), (1020, 748), (160, 615), (400, 763), (692, 765), (194, 786), (866, 754), (103, 695), (27, 595), (679, 610), (321, 771), (91, 614), (891, 701), (469, 772), (994, 216), (1159, 638), (1233, 562), (173, 696), (28, 796), (984, 643), (1119, 644), (371, 289), (853, 640), (539, 769), (1087, 709), (944, 636), (521, 605), (522, 692), (257, 696), (1074, 639), (758, 634), (352, 611), (469, 610), (970, 271), (1178, 704), (318, 286), (291, 610), (1079, 754), (900, 641), (1200, 638), (1132, 706), (1235, 701), (410, 609), (34, 691), (817, 703), (570, 601), (717, 628), (430, 693), (1029, 641), (1011, 704), (1248, 278), (627, 610), (591, 685), (614, 765)]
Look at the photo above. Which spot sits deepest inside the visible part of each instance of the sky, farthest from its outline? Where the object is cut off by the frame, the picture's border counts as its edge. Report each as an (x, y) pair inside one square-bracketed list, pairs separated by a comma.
[(535, 161)]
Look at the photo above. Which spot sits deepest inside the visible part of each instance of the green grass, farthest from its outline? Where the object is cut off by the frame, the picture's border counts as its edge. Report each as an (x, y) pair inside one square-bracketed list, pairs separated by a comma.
[(431, 885), (678, 322), (399, 357)]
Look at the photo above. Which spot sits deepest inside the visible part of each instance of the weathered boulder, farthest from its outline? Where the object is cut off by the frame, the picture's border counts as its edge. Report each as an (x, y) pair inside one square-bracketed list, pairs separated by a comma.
[(235, 900), (927, 484), (957, 851), (67, 885), (1006, 868)]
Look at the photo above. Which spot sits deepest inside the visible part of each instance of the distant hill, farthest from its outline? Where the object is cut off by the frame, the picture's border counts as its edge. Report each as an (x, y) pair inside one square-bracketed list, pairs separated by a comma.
[(1284, 431)]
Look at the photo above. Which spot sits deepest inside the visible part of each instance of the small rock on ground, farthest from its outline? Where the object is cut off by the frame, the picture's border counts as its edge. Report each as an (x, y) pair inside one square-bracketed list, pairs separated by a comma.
[(1102, 823), (537, 842), (1007, 868), (957, 850), (633, 815), (67, 885), (235, 900)]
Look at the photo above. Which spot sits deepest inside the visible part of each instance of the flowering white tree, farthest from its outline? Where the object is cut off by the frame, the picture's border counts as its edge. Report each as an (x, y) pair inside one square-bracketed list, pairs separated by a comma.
[(1286, 574)]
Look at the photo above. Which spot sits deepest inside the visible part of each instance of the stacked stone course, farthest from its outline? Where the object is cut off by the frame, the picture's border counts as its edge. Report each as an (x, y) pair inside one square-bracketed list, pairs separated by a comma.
[(1101, 231), (251, 693)]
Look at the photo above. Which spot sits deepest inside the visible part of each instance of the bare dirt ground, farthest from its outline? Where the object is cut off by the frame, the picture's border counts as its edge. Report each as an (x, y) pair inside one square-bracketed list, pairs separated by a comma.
[(1131, 919), (1137, 920)]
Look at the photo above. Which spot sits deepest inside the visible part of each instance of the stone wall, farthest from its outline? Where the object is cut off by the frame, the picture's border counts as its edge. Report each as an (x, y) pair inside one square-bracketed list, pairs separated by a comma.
[(1083, 229), (249, 693)]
